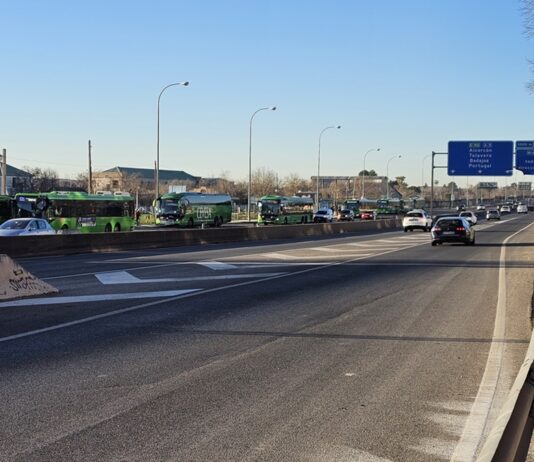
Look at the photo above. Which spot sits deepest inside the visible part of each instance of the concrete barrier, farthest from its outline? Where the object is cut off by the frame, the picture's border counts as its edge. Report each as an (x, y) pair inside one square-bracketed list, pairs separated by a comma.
[(16, 282), (18, 246)]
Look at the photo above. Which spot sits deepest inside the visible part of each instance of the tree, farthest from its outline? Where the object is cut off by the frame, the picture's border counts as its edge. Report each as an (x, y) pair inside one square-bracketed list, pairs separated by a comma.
[(367, 173), (264, 182), (293, 183), (42, 180)]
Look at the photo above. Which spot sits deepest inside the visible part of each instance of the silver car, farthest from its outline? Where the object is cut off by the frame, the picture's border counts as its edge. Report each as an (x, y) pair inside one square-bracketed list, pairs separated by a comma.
[(26, 227)]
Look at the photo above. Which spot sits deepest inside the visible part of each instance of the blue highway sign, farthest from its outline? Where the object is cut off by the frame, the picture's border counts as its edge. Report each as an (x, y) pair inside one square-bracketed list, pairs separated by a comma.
[(524, 156), (481, 158)]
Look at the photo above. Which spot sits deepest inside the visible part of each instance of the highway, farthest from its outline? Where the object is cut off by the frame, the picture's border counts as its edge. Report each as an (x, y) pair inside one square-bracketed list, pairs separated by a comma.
[(372, 347)]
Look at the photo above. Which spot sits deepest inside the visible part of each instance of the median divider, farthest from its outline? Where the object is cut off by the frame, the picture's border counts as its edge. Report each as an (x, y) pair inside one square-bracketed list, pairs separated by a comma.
[(16, 282), (66, 244)]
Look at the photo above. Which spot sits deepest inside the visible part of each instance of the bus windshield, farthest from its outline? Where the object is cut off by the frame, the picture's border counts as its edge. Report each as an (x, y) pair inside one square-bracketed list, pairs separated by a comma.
[(169, 207), (270, 208)]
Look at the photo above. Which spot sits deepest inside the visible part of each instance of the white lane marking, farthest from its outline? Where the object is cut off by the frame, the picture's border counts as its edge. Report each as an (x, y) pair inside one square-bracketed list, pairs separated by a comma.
[(377, 246), (282, 256), (216, 265), (123, 277), (390, 245), (95, 298), (117, 278), (331, 249), (473, 432), (338, 256)]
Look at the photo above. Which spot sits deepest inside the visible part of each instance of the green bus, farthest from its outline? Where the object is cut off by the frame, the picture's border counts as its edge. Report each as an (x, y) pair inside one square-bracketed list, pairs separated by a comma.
[(7, 208), (285, 210), (352, 204), (390, 207), (192, 209), (79, 211)]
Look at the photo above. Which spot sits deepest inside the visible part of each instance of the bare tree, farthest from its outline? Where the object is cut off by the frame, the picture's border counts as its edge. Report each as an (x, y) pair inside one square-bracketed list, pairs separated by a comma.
[(42, 180), (293, 183), (264, 182)]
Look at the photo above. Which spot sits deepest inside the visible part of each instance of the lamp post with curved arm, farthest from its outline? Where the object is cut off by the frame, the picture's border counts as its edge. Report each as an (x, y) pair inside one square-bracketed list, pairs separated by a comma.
[(363, 172), (319, 159), (273, 108), (184, 84), (387, 174)]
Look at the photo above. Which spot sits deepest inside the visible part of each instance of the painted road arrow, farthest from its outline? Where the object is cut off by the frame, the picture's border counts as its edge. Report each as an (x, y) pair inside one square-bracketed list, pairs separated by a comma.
[(123, 277)]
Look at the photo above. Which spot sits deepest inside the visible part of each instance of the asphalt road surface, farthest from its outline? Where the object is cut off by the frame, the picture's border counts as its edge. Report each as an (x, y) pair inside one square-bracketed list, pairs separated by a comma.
[(369, 347)]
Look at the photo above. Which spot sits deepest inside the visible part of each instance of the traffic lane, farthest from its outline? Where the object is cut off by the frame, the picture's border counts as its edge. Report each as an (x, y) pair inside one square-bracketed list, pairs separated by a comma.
[(88, 296), (58, 266), (52, 266), (17, 320), (354, 312), (182, 276)]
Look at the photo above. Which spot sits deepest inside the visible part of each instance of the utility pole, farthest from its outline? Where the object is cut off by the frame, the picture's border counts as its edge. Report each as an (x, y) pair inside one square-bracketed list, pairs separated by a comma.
[(4, 171), (89, 186)]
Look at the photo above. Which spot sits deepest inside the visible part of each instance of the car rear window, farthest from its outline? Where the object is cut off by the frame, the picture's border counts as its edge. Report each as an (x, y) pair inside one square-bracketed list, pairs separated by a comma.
[(415, 214), (446, 223)]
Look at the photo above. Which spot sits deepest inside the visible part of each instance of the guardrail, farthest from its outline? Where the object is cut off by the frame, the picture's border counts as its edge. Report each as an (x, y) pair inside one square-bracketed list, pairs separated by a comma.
[(24, 246), (510, 437)]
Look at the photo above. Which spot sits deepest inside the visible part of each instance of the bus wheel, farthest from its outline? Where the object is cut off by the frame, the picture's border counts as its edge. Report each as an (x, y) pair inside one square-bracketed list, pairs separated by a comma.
[(107, 229), (117, 228), (190, 223), (216, 222), (305, 220), (221, 221), (64, 228), (285, 221)]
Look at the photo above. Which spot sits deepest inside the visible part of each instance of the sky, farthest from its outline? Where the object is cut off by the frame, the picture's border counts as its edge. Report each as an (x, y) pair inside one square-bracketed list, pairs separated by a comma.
[(403, 76)]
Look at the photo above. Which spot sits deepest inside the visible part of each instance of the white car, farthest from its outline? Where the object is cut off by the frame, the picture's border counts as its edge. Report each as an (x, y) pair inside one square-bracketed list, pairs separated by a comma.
[(506, 209), (522, 208), (416, 219), (481, 207), (469, 216), (26, 227), (323, 216)]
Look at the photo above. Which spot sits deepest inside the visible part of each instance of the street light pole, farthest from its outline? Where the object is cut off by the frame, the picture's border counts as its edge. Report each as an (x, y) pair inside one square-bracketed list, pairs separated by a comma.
[(363, 172), (423, 171), (387, 174), (273, 108), (184, 84), (319, 158)]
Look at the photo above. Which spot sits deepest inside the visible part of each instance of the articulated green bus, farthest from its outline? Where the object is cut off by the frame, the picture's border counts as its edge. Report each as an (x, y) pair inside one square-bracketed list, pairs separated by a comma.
[(79, 211), (7, 208), (192, 209), (285, 210)]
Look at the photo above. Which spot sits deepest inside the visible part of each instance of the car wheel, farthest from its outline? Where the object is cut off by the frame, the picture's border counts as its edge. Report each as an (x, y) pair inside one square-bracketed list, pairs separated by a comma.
[(434, 243), (405, 230)]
